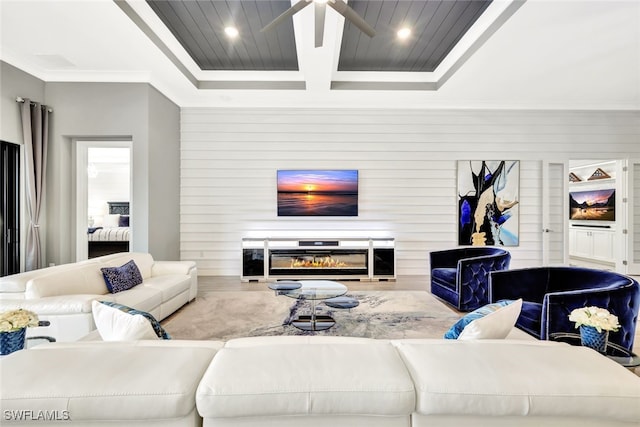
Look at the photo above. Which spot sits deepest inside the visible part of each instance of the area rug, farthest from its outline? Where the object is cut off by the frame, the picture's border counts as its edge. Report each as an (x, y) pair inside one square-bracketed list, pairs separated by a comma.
[(381, 314)]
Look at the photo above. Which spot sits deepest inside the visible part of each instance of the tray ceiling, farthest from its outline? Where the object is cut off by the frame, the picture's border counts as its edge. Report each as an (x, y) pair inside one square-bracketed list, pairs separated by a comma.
[(578, 54), (436, 27), (192, 33)]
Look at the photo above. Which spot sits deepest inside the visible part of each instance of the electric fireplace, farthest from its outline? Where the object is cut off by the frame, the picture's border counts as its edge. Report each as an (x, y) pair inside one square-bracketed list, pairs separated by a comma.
[(349, 259), (318, 262)]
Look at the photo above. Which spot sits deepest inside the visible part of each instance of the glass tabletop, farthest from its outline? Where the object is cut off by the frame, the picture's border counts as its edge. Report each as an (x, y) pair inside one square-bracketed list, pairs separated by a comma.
[(613, 351), (316, 289)]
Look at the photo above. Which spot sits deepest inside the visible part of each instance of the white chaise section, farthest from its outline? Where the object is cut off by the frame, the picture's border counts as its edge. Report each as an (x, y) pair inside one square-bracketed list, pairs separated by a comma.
[(523, 383)]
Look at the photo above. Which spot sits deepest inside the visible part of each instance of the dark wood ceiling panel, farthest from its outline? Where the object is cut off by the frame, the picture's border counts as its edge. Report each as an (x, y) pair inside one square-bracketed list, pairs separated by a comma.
[(166, 12), (437, 25), (199, 27)]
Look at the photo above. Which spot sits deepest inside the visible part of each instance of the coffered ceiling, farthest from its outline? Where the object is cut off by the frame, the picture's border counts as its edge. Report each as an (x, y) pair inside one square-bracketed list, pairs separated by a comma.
[(460, 53)]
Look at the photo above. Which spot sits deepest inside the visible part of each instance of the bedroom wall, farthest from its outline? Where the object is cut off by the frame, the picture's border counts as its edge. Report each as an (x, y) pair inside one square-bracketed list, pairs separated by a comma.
[(407, 162)]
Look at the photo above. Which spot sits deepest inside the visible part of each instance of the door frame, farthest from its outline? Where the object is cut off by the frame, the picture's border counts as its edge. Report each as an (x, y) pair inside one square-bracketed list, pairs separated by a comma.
[(628, 263), (547, 194), (82, 187)]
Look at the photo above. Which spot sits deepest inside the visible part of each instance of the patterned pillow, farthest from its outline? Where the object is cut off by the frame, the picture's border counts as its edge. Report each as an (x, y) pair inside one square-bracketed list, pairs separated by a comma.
[(121, 278), (493, 321), (157, 328)]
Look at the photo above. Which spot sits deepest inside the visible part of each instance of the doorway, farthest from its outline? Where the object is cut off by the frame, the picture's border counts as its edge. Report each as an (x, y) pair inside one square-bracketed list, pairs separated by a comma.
[(10, 208), (103, 198), (597, 214)]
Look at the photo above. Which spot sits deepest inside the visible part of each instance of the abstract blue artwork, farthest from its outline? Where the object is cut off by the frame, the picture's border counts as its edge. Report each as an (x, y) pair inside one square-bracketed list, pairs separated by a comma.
[(488, 202)]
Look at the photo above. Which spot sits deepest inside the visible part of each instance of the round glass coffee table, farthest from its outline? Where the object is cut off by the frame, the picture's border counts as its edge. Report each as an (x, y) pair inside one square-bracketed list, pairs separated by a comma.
[(614, 352), (315, 290)]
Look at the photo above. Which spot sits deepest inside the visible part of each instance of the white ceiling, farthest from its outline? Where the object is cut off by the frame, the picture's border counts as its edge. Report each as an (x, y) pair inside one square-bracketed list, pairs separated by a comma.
[(557, 54)]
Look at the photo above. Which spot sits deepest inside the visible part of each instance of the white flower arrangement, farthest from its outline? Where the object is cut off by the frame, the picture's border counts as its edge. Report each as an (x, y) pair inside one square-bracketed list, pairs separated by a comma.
[(15, 320), (597, 317)]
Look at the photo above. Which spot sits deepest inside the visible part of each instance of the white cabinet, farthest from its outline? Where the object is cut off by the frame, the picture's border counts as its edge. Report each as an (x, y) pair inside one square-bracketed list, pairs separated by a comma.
[(592, 244)]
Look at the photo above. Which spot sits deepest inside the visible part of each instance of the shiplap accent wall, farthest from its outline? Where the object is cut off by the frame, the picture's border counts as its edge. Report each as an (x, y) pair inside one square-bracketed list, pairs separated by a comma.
[(407, 169)]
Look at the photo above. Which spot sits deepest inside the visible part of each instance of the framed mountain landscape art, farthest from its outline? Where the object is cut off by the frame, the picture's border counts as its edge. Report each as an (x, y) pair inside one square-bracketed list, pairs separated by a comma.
[(488, 202)]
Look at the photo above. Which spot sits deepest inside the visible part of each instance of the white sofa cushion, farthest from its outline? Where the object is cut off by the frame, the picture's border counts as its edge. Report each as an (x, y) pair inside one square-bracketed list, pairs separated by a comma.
[(18, 282), (519, 378), (117, 382), (141, 297), (169, 285), (306, 379), (115, 325), (77, 279)]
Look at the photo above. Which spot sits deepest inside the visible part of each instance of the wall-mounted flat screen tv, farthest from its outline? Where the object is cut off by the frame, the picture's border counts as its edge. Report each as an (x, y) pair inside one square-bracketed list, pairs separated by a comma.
[(317, 192), (599, 205)]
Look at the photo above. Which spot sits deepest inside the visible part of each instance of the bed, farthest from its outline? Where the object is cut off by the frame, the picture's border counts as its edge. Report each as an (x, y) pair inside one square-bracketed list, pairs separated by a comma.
[(113, 235)]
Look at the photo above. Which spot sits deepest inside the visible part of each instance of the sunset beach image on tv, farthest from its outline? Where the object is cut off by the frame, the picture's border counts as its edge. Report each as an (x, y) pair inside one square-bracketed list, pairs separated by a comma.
[(599, 205), (317, 192)]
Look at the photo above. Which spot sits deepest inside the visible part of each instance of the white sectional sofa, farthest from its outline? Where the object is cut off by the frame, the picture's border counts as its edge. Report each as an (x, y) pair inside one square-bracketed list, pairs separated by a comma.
[(320, 381), (63, 294)]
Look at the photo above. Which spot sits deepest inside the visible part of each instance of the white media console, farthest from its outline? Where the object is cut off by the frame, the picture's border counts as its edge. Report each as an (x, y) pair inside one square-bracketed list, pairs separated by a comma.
[(343, 258)]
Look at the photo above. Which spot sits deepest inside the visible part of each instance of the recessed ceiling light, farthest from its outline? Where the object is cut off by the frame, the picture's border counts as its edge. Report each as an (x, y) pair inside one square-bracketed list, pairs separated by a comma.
[(231, 32), (404, 33)]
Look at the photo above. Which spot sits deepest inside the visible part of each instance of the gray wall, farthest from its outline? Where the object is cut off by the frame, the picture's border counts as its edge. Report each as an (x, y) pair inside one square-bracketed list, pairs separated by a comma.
[(104, 111), (164, 177), (13, 83)]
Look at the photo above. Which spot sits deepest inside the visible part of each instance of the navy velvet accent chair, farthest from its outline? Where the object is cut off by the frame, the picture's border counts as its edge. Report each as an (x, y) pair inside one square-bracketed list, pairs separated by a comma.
[(460, 276), (550, 293)]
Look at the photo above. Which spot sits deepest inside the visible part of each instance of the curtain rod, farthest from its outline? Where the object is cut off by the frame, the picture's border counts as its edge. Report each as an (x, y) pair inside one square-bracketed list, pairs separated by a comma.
[(21, 100)]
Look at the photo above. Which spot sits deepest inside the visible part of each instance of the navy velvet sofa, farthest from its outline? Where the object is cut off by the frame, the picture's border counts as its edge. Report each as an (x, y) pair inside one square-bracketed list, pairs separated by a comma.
[(460, 276), (550, 293)]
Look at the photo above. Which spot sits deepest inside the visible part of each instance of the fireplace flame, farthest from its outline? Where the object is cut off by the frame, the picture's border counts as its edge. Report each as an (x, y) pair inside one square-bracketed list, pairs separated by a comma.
[(324, 262)]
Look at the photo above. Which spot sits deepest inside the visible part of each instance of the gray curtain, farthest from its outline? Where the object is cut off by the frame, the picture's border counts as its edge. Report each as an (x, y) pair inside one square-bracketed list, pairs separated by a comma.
[(35, 130)]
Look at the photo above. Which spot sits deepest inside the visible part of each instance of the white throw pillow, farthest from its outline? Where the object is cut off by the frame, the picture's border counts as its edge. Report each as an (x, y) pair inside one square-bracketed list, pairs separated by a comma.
[(111, 221), (495, 325), (116, 325)]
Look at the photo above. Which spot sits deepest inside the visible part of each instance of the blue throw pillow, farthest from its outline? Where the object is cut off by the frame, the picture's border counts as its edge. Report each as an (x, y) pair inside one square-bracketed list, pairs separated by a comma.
[(157, 328), (454, 332), (121, 278), (123, 221)]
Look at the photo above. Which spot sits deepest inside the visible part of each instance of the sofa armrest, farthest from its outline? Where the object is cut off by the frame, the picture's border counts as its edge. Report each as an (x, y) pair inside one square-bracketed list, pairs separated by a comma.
[(621, 301), (445, 259), (473, 278), (189, 268), (162, 268)]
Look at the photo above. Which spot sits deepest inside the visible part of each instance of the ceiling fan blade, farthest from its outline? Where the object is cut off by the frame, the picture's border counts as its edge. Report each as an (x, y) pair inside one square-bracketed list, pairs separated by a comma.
[(343, 9), (320, 11), (286, 14)]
